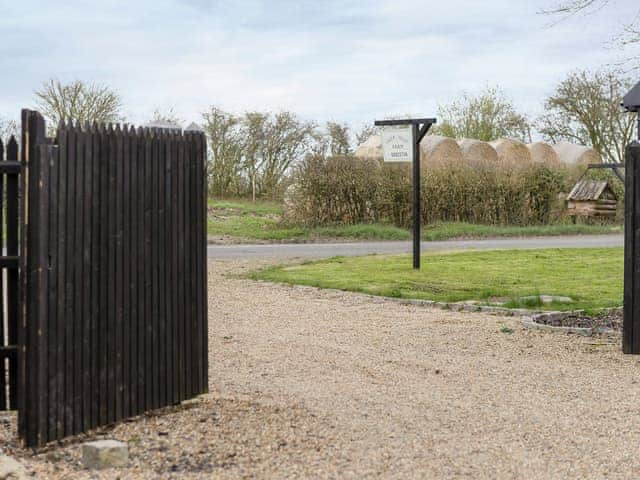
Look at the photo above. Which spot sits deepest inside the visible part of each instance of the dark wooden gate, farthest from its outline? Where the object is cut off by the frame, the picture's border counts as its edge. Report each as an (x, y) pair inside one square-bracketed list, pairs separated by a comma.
[(631, 328), (115, 279), (10, 170)]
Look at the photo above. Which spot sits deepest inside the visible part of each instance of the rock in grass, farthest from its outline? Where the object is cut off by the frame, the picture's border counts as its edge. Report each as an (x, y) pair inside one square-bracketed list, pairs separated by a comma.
[(105, 454), (11, 469)]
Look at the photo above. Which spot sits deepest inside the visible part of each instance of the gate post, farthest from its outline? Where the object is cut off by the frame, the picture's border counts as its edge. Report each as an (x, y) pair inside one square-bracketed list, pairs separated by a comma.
[(631, 326)]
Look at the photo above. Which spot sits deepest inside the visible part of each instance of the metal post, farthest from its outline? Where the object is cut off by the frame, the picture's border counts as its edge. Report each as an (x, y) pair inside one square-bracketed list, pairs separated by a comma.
[(416, 197)]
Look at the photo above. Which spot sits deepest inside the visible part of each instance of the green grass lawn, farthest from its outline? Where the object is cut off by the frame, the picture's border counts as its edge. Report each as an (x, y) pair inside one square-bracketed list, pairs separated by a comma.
[(247, 221), (593, 278)]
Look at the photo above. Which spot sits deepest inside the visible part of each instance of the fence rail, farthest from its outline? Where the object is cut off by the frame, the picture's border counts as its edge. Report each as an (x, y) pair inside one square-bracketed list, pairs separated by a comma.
[(116, 320)]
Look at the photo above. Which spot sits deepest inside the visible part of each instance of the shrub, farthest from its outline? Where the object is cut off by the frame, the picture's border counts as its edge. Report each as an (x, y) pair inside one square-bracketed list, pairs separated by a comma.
[(350, 190)]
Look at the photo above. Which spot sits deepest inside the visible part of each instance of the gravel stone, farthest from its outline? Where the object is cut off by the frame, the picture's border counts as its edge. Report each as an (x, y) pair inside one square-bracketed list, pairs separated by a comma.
[(104, 454), (307, 383), (11, 469)]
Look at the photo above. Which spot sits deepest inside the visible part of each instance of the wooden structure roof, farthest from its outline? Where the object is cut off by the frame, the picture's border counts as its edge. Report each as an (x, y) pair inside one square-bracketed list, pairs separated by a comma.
[(590, 190)]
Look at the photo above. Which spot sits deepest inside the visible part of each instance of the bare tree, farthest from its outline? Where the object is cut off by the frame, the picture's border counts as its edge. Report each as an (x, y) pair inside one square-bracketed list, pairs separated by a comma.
[(7, 129), (225, 149), (285, 140), (585, 109), (629, 33), (487, 116), (339, 141), (168, 116), (78, 101), (365, 133)]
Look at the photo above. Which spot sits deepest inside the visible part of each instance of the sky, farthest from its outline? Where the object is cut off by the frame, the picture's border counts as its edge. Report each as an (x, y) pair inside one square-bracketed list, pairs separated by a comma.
[(348, 61)]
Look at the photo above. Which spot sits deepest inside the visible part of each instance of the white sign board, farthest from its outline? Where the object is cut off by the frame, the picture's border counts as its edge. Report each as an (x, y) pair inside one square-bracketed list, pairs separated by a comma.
[(397, 144)]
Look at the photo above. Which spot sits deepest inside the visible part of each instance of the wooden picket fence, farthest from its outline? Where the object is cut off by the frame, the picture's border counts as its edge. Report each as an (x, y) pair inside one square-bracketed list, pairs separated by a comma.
[(115, 285), (10, 169)]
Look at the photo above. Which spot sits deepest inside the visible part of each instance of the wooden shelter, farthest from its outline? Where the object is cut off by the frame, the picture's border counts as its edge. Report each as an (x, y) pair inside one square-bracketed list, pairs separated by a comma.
[(592, 198)]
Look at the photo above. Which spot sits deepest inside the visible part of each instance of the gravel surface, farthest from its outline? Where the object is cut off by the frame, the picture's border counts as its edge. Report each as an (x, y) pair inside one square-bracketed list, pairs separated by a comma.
[(314, 384)]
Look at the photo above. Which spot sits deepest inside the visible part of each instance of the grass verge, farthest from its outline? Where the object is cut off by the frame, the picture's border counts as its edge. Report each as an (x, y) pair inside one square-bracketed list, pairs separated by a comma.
[(592, 278), (247, 221)]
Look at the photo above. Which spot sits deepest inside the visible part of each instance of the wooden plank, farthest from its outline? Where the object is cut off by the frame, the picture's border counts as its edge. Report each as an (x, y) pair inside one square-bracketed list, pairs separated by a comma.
[(40, 286), (55, 376), (143, 138), (86, 320), (155, 299), (635, 328), (70, 258), (105, 299), (117, 364), (202, 286), (78, 320), (160, 245), (196, 372), (126, 278), (175, 308), (96, 244), (61, 255), (133, 266), (168, 248), (10, 167), (112, 280), (181, 318), (188, 264), (149, 359)]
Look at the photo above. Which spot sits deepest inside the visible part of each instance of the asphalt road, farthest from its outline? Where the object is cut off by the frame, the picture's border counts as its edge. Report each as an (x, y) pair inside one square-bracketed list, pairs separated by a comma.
[(324, 250)]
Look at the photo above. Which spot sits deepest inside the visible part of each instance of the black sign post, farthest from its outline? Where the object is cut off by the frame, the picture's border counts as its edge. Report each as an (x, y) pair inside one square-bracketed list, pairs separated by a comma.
[(419, 128)]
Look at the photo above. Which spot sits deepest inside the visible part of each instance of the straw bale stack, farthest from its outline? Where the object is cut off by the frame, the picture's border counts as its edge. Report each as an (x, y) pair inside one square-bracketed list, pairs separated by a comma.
[(371, 149), (477, 151), (511, 151), (438, 150), (572, 154), (543, 153)]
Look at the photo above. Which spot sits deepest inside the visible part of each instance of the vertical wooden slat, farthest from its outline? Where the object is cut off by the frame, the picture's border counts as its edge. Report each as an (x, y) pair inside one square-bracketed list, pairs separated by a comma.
[(14, 226), (70, 340), (117, 364), (181, 247), (112, 312), (78, 320), (96, 243), (203, 276), (160, 245), (61, 250), (133, 265), (38, 277), (188, 266), (143, 138), (149, 360), (86, 318), (105, 267), (175, 281), (55, 370), (126, 261), (155, 323), (168, 293)]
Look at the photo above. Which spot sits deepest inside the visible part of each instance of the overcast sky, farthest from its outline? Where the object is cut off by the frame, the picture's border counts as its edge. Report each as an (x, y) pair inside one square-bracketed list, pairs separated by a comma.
[(342, 60)]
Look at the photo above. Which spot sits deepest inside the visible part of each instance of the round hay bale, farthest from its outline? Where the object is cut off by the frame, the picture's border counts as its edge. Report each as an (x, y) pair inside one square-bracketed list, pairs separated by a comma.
[(511, 151), (372, 148), (477, 151), (437, 150), (572, 154), (543, 153)]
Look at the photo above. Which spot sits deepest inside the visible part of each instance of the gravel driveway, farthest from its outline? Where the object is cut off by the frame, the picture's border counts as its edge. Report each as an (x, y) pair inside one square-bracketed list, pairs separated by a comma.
[(314, 384)]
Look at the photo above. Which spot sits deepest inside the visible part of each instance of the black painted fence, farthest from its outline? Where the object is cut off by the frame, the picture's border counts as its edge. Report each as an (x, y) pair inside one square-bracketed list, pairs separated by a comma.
[(10, 169), (116, 305), (631, 328)]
